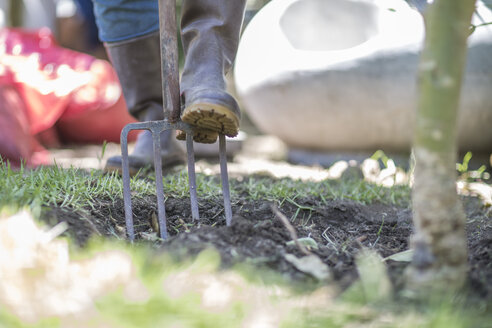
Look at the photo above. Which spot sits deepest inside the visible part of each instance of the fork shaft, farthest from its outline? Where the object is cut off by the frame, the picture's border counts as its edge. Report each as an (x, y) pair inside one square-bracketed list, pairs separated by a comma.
[(169, 59)]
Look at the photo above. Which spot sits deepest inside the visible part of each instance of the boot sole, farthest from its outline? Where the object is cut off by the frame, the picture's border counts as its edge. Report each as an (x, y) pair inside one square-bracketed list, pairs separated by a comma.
[(212, 117)]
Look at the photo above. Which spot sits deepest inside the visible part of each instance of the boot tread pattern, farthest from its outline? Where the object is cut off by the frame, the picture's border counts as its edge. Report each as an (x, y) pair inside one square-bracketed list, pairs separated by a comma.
[(212, 117)]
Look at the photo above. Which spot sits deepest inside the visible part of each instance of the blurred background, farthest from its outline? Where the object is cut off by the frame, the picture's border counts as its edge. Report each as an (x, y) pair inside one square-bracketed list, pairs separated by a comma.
[(324, 80)]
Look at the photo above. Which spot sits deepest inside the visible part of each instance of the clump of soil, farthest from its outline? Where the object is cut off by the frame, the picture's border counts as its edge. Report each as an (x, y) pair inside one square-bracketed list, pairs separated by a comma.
[(340, 229)]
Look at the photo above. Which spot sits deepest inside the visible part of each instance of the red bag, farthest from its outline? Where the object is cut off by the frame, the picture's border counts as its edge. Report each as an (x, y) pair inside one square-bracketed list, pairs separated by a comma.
[(43, 84)]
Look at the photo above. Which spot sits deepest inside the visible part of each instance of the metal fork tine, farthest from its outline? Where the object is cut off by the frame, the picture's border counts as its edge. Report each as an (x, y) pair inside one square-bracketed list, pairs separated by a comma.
[(156, 128), (161, 208), (192, 177), (171, 97), (126, 183), (224, 177)]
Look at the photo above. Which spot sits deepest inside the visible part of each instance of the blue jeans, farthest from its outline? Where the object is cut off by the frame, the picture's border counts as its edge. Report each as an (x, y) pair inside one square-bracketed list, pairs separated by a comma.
[(120, 20)]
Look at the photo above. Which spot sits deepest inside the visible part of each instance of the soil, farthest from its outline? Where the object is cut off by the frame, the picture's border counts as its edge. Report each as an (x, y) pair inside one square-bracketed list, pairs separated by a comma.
[(339, 227)]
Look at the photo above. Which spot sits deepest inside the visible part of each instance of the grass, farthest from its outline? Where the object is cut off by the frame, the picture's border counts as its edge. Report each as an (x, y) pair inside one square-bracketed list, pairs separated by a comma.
[(54, 186), (288, 190), (79, 189)]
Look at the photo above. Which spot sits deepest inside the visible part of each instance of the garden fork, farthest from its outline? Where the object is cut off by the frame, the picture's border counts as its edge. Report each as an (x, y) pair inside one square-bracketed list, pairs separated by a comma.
[(172, 109)]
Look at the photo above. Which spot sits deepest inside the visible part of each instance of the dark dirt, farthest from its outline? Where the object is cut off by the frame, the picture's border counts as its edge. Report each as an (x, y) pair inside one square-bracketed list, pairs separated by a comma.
[(339, 227)]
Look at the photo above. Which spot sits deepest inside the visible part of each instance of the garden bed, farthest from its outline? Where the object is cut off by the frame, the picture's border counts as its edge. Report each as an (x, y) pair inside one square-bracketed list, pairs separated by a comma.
[(333, 230)]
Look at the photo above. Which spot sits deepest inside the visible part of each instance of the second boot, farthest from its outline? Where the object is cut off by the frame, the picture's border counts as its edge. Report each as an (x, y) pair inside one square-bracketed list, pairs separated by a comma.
[(137, 63)]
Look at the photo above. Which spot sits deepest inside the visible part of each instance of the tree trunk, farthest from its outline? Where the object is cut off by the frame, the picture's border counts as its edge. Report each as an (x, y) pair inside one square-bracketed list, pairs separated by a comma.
[(440, 248)]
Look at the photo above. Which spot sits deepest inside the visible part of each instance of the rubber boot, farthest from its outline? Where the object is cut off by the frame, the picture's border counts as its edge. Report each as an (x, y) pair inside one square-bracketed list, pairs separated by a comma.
[(138, 65), (210, 35)]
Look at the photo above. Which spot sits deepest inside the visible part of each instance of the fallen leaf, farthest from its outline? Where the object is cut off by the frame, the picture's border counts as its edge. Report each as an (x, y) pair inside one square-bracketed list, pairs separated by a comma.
[(373, 276), (306, 241), (405, 256), (311, 265)]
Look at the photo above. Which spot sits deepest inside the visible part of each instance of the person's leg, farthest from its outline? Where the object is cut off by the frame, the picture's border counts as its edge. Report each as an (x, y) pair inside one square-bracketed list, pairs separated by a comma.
[(129, 30), (210, 35), (123, 20)]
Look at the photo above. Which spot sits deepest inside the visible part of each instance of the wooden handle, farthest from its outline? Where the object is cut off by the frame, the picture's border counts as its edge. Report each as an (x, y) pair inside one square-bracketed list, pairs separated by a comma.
[(169, 60)]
